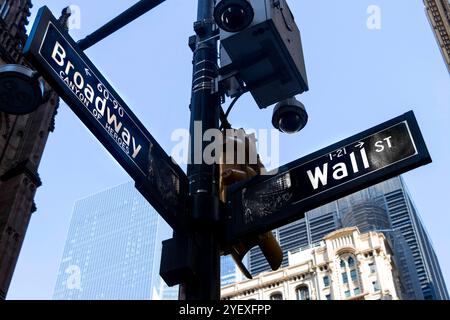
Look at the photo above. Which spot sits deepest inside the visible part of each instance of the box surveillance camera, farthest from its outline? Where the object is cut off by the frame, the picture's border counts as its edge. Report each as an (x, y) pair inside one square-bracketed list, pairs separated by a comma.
[(267, 55)]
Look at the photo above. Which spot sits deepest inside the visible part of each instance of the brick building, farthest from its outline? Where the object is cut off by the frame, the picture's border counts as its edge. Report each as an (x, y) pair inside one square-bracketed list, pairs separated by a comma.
[(22, 142)]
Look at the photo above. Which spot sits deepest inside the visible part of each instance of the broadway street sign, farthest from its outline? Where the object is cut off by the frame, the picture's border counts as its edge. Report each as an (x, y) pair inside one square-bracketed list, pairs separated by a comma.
[(267, 202), (73, 76)]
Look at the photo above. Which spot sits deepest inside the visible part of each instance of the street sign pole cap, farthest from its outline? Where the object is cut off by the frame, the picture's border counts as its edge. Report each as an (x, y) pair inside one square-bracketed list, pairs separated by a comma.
[(21, 92)]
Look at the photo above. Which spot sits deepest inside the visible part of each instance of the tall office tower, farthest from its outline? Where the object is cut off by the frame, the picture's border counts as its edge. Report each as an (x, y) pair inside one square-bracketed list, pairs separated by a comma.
[(368, 214), (405, 227), (438, 13), (384, 207), (229, 272), (168, 293), (113, 248), (163, 292), (22, 142), (368, 211)]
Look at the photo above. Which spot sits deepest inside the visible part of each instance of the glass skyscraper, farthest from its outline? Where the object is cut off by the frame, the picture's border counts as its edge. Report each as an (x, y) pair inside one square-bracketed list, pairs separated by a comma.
[(229, 270), (385, 207), (113, 249)]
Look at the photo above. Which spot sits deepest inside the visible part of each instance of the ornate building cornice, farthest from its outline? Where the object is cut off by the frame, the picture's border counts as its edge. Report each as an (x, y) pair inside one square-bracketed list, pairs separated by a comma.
[(438, 12), (13, 33), (26, 168)]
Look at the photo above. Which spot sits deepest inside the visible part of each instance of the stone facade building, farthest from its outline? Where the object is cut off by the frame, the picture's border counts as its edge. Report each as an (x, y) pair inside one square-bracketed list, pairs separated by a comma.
[(438, 13), (386, 207), (22, 142), (346, 265)]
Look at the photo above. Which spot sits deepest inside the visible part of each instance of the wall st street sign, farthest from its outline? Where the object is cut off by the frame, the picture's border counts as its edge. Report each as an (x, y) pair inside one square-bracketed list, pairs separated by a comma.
[(73, 76), (267, 202)]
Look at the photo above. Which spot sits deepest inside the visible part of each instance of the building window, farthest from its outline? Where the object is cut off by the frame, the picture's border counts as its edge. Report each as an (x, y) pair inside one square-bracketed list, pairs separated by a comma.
[(357, 291), (276, 296), (354, 275), (326, 281), (376, 286), (344, 277), (302, 293), (372, 267), (349, 273), (4, 10), (328, 297), (351, 262)]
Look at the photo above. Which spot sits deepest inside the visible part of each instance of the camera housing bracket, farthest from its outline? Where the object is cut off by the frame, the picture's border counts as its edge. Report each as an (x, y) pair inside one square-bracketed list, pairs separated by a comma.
[(267, 56)]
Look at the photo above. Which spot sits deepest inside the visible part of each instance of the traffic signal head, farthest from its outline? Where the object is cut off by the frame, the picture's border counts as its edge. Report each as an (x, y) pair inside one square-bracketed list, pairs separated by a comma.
[(262, 51), (239, 160), (21, 92), (235, 167), (269, 247)]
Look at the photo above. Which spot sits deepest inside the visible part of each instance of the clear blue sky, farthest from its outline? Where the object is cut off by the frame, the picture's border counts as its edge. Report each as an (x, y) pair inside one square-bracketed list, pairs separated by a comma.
[(358, 78)]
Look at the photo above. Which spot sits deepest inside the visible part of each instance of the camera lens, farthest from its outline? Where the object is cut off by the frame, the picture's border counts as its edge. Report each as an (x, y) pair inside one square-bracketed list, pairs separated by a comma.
[(290, 122), (233, 15), (234, 18)]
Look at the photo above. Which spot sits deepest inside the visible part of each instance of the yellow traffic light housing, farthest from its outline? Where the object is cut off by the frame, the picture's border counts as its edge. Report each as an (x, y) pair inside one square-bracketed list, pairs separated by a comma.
[(239, 161)]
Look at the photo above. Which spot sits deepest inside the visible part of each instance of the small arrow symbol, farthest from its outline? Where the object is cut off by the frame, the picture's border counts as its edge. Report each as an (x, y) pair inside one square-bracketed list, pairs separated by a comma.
[(360, 145), (88, 72)]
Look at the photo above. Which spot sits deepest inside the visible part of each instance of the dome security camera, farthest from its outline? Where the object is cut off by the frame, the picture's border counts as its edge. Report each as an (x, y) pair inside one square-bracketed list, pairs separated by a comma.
[(290, 116), (233, 15), (21, 92)]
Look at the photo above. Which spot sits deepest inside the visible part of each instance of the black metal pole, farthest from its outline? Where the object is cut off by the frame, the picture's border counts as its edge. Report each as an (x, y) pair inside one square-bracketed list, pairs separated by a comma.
[(118, 22), (205, 106)]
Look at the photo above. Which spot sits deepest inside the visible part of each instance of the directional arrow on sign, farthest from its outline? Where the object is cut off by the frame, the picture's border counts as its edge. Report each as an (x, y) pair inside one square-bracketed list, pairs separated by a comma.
[(267, 202), (360, 145), (79, 83)]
